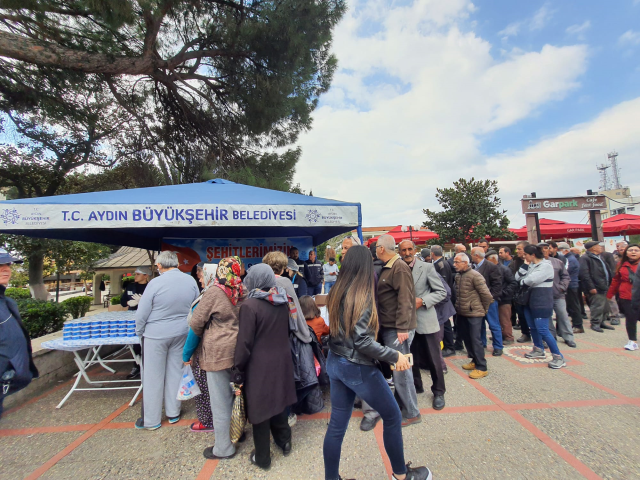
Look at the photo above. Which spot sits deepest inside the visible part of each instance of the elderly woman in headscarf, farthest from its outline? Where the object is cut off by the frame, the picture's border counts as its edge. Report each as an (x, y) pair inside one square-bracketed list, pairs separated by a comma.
[(191, 356), (263, 362), (215, 321)]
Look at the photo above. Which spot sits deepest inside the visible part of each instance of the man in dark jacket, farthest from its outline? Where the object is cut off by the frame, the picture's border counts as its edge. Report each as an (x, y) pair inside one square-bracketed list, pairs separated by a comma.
[(130, 298), (554, 251), (509, 286), (313, 274), (16, 363), (595, 278), (493, 278), (294, 254), (518, 310), (446, 272), (573, 293)]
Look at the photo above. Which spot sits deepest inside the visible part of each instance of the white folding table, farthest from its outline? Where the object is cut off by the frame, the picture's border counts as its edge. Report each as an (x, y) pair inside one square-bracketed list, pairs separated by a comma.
[(93, 357)]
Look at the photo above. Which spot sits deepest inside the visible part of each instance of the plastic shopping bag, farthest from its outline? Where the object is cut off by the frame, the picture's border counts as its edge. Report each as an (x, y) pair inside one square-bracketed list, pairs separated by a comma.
[(188, 386), (238, 414)]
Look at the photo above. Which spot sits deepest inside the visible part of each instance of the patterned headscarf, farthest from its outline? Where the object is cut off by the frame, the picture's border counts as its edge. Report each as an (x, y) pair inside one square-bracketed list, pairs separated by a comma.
[(228, 278)]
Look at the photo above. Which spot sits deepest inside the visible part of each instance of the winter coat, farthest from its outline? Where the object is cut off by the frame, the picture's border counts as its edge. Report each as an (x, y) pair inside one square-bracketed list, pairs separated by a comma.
[(561, 278), (472, 294), (396, 296), (301, 330), (304, 368), (573, 267), (635, 293), (538, 277), (319, 327), (215, 320), (621, 283), (263, 359), (593, 274), (299, 285), (509, 285), (444, 269), (445, 309), (493, 277), (313, 273)]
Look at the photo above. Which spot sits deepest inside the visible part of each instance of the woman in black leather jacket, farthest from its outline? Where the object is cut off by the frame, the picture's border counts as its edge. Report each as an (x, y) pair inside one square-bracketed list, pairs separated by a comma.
[(351, 365)]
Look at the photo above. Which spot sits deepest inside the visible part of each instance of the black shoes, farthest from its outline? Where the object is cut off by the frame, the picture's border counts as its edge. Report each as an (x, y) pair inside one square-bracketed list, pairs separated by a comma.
[(516, 327), (135, 373), (524, 338), (252, 459), (596, 328), (570, 343), (507, 342), (604, 326), (615, 321), (368, 424), (438, 402), (447, 352), (286, 449), (419, 389), (208, 453), (497, 352)]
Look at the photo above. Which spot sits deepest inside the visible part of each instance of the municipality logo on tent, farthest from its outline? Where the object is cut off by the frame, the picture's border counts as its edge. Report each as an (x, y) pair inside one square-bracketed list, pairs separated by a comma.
[(9, 216), (313, 216)]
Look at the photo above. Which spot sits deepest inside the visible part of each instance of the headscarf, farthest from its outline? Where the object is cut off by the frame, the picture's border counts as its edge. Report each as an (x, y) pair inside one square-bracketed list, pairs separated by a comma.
[(261, 283), (209, 274), (227, 278)]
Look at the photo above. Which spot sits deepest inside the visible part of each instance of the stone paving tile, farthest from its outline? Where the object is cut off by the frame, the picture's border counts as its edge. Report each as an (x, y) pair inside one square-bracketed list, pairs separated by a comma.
[(131, 414), (80, 408), (360, 456), (128, 453), (22, 454), (606, 439), (609, 339), (514, 384), (610, 371)]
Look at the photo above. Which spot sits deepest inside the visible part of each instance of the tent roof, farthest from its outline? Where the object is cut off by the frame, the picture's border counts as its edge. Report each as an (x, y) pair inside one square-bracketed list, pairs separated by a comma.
[(54, 217), (125, 257)]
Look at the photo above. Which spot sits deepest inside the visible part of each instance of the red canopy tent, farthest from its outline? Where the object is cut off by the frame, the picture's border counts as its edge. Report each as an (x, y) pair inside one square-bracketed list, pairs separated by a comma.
[(623, 224), (556, 229), (419, 236)]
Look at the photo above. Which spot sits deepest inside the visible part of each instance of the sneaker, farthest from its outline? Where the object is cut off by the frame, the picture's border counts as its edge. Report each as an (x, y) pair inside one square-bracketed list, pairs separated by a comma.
[(411, 421), (199, 427), (615, 321), (390, 382), (524, 339), (497, 352), (418, 473), (469, 366), (557, 362), (476, 374), (536, 353), (293, 419), (140, 425), (631, 345), (448, 353), (173, 420)]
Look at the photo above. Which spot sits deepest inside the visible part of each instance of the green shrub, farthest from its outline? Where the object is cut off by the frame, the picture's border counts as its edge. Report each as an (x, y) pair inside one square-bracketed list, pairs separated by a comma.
[(115, 300), (78, 306), (41, 317), (18, 293)]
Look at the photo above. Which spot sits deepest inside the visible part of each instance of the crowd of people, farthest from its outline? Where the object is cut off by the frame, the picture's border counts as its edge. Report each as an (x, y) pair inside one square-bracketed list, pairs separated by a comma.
[(391, 312)]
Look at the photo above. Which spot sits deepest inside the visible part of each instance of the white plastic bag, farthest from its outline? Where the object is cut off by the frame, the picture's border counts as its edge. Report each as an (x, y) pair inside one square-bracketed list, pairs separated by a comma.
[(188, 386)]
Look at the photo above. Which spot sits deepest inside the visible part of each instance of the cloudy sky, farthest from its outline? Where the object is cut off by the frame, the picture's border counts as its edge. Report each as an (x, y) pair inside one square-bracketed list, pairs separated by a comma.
[(533, 94)]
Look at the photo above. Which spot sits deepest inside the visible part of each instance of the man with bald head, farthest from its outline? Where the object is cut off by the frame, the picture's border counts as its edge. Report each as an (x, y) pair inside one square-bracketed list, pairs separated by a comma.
[(493, 278)]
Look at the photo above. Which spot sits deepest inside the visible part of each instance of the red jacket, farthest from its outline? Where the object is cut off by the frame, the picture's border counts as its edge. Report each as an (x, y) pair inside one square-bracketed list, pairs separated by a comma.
[(620, 283)]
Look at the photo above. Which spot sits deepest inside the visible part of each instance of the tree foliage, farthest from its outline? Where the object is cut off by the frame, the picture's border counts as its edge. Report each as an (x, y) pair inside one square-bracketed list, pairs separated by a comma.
[(201, 85), (470, 211)]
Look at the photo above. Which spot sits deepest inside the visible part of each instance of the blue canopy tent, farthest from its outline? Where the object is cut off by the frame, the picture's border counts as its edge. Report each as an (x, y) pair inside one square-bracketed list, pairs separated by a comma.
[(143, 217)]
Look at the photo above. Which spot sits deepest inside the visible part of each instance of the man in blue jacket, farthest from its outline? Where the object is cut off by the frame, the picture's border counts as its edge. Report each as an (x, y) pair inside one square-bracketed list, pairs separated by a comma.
[(313, 274), (573, 293), (16, 364)]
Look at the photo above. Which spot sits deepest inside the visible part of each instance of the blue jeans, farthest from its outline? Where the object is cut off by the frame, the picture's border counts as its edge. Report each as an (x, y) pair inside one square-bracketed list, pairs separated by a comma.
[(314, 289), (493, 319), (540, 331), (349, 379), (327, 286)]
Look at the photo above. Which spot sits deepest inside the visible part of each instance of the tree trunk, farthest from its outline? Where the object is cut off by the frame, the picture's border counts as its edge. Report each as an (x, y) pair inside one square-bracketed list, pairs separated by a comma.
[(36, 283), (57, 286)]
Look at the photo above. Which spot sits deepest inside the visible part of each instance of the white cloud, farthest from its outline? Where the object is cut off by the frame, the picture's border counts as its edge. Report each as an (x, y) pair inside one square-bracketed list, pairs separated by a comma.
[(389, 143), (539, 20), (629, 38), (579, 29)]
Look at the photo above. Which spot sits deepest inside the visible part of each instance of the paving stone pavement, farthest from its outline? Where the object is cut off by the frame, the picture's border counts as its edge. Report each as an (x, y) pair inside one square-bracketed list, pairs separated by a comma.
[(522, 421)]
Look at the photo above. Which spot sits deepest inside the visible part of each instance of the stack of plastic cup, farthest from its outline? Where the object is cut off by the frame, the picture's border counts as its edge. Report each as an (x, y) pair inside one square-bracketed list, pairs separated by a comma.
[(96, 329), (85, 329), (71, 330)]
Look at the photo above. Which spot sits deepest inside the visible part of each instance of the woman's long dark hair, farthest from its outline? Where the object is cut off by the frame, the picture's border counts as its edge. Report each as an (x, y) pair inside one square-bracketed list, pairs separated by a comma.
[(353, 292), (625, 257), (534, 250)]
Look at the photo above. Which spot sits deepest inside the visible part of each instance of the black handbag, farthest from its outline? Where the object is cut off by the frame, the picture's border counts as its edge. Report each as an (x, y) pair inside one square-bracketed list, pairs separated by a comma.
[(523, 295)]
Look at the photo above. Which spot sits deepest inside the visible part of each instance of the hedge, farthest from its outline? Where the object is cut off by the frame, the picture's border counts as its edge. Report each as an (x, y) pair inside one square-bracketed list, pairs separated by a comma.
[(115, 300), (78, 306), (18, 293), (41, 317)]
